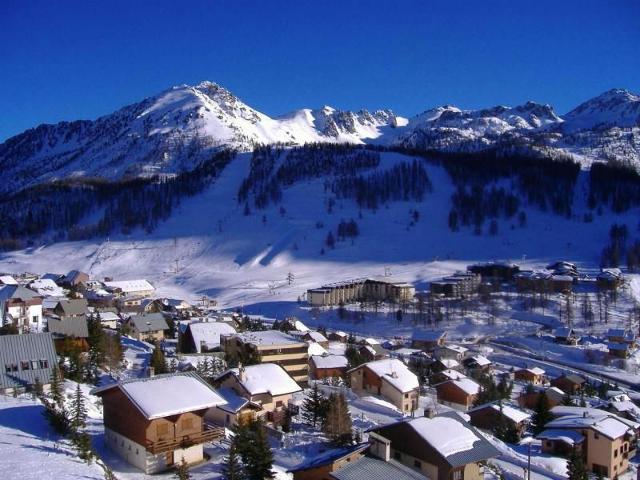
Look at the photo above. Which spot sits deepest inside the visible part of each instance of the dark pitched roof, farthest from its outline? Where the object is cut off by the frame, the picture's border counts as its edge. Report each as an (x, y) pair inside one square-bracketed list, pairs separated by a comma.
[(369, 468), (149, 322), (17, 291), (17, 348), (74, 306), (328, 457), (68, 327)]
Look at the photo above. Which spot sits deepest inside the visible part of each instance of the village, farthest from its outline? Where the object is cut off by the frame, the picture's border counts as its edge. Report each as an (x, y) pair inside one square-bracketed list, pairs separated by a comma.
[(495, 371)]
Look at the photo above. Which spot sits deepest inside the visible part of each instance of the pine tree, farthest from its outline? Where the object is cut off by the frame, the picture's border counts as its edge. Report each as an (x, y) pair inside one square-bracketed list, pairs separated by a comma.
[(157, 361), (314, 408), (96, 346), (254, 449), (78, 411), (57, 393), (542, 414), (576, 469), (82, 442), (337, 425), (37, 389), (182, 471), (232, 468)]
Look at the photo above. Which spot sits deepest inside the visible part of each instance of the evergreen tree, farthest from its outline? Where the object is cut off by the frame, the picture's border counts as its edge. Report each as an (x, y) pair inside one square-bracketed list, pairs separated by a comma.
[(542, 414), (232, 468), (260, 459), (96, 346), (576, 469), (314, 408), (157, 361), (337, 425), (37, 389), (82, 442), (57, 392), (78, 411), (182, 471), (567, 400)]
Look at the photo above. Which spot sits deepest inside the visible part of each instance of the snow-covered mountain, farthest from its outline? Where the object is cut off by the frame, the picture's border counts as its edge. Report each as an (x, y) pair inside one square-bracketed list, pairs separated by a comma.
[(177, 129)]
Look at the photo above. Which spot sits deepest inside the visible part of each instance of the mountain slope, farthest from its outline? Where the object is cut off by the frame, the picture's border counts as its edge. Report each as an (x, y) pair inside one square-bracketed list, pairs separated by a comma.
[(179, 128)]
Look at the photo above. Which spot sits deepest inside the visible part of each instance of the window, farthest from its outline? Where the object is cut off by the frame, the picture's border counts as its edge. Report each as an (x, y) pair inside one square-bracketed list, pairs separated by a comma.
[(44, 363), (11, 367), (397, 455), (35, 318), (615, 453), (279, 404), (406, 395), (457, 475), (417, 463), (24, 365), (596, 436), (34, 364)]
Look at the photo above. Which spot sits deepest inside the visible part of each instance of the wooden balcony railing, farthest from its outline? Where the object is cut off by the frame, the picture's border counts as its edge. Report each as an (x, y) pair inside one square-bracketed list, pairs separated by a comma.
[(210, 433)]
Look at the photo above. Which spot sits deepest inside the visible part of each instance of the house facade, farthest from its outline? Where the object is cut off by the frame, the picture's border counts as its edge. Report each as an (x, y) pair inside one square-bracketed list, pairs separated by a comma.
[(26, 360), (534, 375), (22, 308), (391, 379), (459, 394), (153, 425), (381, 289)]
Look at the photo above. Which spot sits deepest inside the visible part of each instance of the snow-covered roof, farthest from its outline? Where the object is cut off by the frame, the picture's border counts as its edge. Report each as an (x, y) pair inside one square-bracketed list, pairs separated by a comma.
[(512, 413), (449, 362), (455, 348), (47, 288), (268, 337), (315, 349), (445, 434), (266, 378), (570, 437), (340, 333), (562, 278), (481, 360), (467, 385), (452, 374), (208, 333), (329, 361), (149, 322), (371, 341), (109, 317), (606, 423), (130, 286), (316, 336), (395, 373), (234, 401), (7, 280), (165, 395), (535, 370)]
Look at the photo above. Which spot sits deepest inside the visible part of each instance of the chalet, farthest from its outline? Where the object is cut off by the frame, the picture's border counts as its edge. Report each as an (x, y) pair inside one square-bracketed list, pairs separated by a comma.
[(428, 340), (566, 335), (445, 364), (444, 447), (108, 319), (130, 288), (372, 352), (148, 327), (495, 271), (381, 289), (489, 415), (21, 308), (338, 336), (564, 268), (391, 379), (71, 308), (153, 425), (132, 304), (237, 410), (477, 364), (610, 279), (322, 466), (561, 442), (267, 385), (620, 350), (533, 280), (293, 324), (454, 352), (459, 394), (74, 279), (561, 283), (619, 335), (569, 383), (608, 440), (327, 366), (269, 346), (69, 331), (202, 337), (533, 375), (317, 337), (170, 305), (445, 375), (315, 349), (554, 395), (25, 360)]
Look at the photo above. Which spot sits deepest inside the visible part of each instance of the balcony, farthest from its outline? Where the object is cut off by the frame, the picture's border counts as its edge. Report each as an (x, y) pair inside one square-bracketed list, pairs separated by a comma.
[(210, 433)]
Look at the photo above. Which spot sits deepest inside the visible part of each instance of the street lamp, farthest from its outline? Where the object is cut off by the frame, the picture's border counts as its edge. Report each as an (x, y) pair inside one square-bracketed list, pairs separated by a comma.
[(528, 441)]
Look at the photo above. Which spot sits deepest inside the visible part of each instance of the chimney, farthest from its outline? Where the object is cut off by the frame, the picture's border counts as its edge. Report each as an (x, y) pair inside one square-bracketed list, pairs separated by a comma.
[(394, 374), (429, 412), (151, 371), (242, 374)]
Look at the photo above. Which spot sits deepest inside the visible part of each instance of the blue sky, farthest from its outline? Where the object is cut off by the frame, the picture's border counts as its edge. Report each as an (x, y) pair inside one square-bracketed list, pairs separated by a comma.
[(66, 60)]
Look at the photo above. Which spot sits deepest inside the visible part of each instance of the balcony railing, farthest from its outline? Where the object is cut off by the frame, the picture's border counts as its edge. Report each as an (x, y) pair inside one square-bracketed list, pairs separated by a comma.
[(210, 433)]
